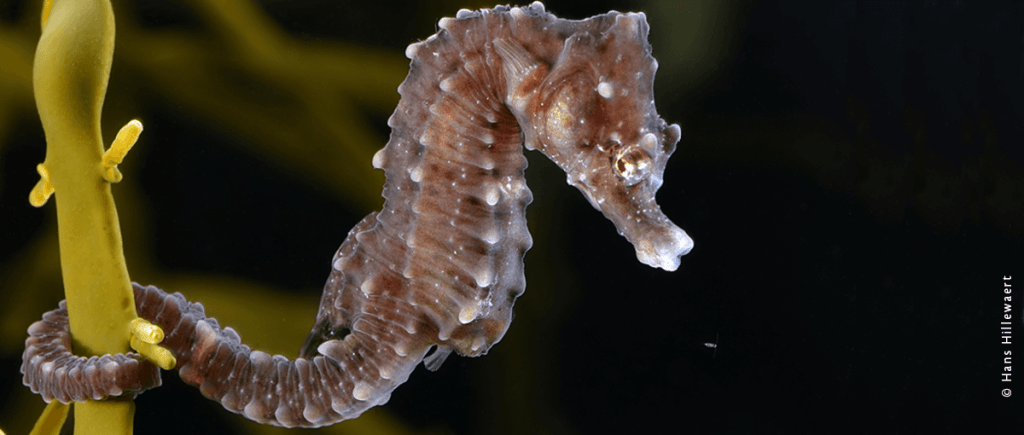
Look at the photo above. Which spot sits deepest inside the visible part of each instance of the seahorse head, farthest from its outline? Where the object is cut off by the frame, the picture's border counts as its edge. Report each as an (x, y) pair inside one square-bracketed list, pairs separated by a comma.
[(591, 110)]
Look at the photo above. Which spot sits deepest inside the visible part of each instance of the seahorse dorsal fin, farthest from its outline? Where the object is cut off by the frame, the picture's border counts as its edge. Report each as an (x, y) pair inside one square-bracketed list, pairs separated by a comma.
[(433, 361)]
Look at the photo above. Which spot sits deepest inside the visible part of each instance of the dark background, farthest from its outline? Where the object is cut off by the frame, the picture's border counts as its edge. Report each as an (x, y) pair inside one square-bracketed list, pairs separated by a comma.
[(852, 175)]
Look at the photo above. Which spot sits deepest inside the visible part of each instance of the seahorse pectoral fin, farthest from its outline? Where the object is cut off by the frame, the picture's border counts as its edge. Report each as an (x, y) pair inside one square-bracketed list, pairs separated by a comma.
[(523, 72), (519, 63)]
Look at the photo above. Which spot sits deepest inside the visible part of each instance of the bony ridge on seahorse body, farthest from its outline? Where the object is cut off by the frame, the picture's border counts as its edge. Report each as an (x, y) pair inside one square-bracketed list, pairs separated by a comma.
[(442, 264)]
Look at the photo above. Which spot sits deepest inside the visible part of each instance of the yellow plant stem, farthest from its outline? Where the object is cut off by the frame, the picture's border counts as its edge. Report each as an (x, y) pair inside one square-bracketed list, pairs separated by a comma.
[(114, 415), (72, 67)]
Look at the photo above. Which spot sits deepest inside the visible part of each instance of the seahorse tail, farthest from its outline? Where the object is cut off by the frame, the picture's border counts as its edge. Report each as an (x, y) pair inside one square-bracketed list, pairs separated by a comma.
[(52, 371), (339, 385), (353, 374)]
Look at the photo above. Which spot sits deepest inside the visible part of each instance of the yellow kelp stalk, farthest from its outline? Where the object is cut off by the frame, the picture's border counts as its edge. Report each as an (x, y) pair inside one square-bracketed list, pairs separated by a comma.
[(72, 67)]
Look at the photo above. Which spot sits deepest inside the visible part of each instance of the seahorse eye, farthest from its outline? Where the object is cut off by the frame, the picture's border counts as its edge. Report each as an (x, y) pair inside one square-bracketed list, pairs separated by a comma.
[(632, 165)]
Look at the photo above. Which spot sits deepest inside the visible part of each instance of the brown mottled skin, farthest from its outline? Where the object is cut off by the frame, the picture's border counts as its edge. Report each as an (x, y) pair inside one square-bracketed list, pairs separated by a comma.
[(442, 264)]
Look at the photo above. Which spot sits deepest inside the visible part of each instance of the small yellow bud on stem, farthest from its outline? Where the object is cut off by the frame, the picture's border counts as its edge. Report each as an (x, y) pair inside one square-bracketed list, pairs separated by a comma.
[(43, 190), (146, 331), (159, 355), (122, 144)]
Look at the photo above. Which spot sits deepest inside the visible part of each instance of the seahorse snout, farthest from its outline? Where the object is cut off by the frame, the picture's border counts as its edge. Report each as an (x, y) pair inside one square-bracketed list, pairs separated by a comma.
[(662, 248)]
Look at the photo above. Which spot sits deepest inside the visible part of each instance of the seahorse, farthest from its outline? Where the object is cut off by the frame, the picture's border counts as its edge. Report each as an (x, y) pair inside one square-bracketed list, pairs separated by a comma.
[(440, 267)]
